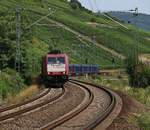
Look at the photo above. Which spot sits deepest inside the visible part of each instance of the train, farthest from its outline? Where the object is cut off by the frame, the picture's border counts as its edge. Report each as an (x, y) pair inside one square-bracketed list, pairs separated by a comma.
[(82, 69), (56, 68)]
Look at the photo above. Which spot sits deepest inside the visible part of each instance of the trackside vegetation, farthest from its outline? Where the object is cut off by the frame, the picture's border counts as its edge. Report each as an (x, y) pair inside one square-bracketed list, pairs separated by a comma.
[(139, 73), (10, 83), (47, 35), (144, 121), (122, 84)]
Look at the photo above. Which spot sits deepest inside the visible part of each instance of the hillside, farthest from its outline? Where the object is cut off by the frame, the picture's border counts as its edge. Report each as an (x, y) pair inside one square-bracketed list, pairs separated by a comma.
[(84, 36), (77, 32), (142, 20)]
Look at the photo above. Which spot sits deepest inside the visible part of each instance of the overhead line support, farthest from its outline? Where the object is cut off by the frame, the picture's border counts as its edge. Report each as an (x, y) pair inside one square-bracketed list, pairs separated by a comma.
[(18, 37)]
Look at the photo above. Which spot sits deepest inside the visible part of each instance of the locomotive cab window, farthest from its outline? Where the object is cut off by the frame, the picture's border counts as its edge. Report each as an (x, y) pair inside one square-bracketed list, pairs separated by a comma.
[(61, 60), (56, 60)]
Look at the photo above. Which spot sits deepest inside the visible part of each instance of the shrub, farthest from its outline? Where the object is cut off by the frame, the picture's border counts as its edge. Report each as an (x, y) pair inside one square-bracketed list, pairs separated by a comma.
[(144, 121), (10, 83), (139, 73), (75, 4), (93, 20)]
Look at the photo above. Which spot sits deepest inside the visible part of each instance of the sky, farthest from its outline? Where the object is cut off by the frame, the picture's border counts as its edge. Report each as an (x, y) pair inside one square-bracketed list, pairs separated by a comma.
[(117, 5)]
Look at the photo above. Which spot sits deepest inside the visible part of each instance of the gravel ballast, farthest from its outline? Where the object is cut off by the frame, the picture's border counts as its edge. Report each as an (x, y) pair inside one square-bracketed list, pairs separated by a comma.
[(42, 116)]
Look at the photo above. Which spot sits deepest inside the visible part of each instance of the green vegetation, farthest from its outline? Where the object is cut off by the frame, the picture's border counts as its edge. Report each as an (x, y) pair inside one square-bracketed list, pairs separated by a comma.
[(49, 36), (116, 38), (77, 51), (34, 51), (10, 83), (75, 4), (122, 84), (141, 120), (45, 36), (139, 73), (144, 121), (7, 39)]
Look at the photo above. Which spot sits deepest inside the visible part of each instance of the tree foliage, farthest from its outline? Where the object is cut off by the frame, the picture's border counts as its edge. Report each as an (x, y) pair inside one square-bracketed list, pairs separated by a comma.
[(10, 83), (7, 40), (144, 121), (75, 4), (34, 51), (139, 73)]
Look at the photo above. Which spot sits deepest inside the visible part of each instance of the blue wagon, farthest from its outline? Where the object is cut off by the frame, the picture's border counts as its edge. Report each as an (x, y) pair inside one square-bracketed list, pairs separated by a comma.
[(76, 69)]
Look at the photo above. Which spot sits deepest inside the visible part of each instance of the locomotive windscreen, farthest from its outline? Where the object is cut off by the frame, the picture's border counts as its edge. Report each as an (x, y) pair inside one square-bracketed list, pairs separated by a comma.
[(56, 60)]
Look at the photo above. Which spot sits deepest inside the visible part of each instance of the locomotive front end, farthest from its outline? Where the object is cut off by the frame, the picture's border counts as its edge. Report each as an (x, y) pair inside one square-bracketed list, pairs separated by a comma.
[(55, 68), (57, 65)]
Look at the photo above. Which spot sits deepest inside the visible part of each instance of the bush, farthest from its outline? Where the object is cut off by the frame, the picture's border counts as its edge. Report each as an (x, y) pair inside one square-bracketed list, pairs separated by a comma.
[(139, 73), (75, 4), (10, 83), (144, 121), (93, 20), (145, 75)]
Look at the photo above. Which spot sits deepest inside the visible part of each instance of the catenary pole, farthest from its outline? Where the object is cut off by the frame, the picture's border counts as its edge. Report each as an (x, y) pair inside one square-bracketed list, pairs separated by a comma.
[(18, 40)]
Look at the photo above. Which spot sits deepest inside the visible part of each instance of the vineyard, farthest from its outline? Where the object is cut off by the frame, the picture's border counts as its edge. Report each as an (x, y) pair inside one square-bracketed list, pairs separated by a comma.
[(45, 36)]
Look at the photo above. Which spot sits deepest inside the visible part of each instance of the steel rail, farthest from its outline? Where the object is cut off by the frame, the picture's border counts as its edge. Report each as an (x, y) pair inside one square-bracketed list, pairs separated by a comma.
[(104, 115), (25, 102), (14, 114), (97, 120), (72, 114)]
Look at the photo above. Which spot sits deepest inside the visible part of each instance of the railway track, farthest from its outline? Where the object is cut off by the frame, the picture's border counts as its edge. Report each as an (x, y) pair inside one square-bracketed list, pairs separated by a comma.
[(37, 118), (68, 123), (71, 114), (21, 108), (25, 102), (83, 106)]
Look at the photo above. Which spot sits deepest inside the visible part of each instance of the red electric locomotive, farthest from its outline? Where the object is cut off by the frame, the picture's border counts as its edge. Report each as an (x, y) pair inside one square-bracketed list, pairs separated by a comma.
[(55, 68)]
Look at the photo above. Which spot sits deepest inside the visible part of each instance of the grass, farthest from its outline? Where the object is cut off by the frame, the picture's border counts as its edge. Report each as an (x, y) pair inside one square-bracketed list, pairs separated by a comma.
[(120, 40), (144, 121), (10, 83), (122, 84), (141, 120), (23, 95), (40, 39), (77, 50), (61, 39)]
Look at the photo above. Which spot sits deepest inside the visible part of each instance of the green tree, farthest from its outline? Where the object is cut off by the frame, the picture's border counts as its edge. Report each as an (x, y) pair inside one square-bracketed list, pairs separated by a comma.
[(10, 83), (75, 4), (139, 73), (7, 39), (34, 51)]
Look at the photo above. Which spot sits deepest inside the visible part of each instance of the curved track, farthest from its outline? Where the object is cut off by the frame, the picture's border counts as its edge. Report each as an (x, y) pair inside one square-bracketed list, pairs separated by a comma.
[(18, 109), (107, 103), (25, 102), (35, 119), (71, 114), (80, 106)]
